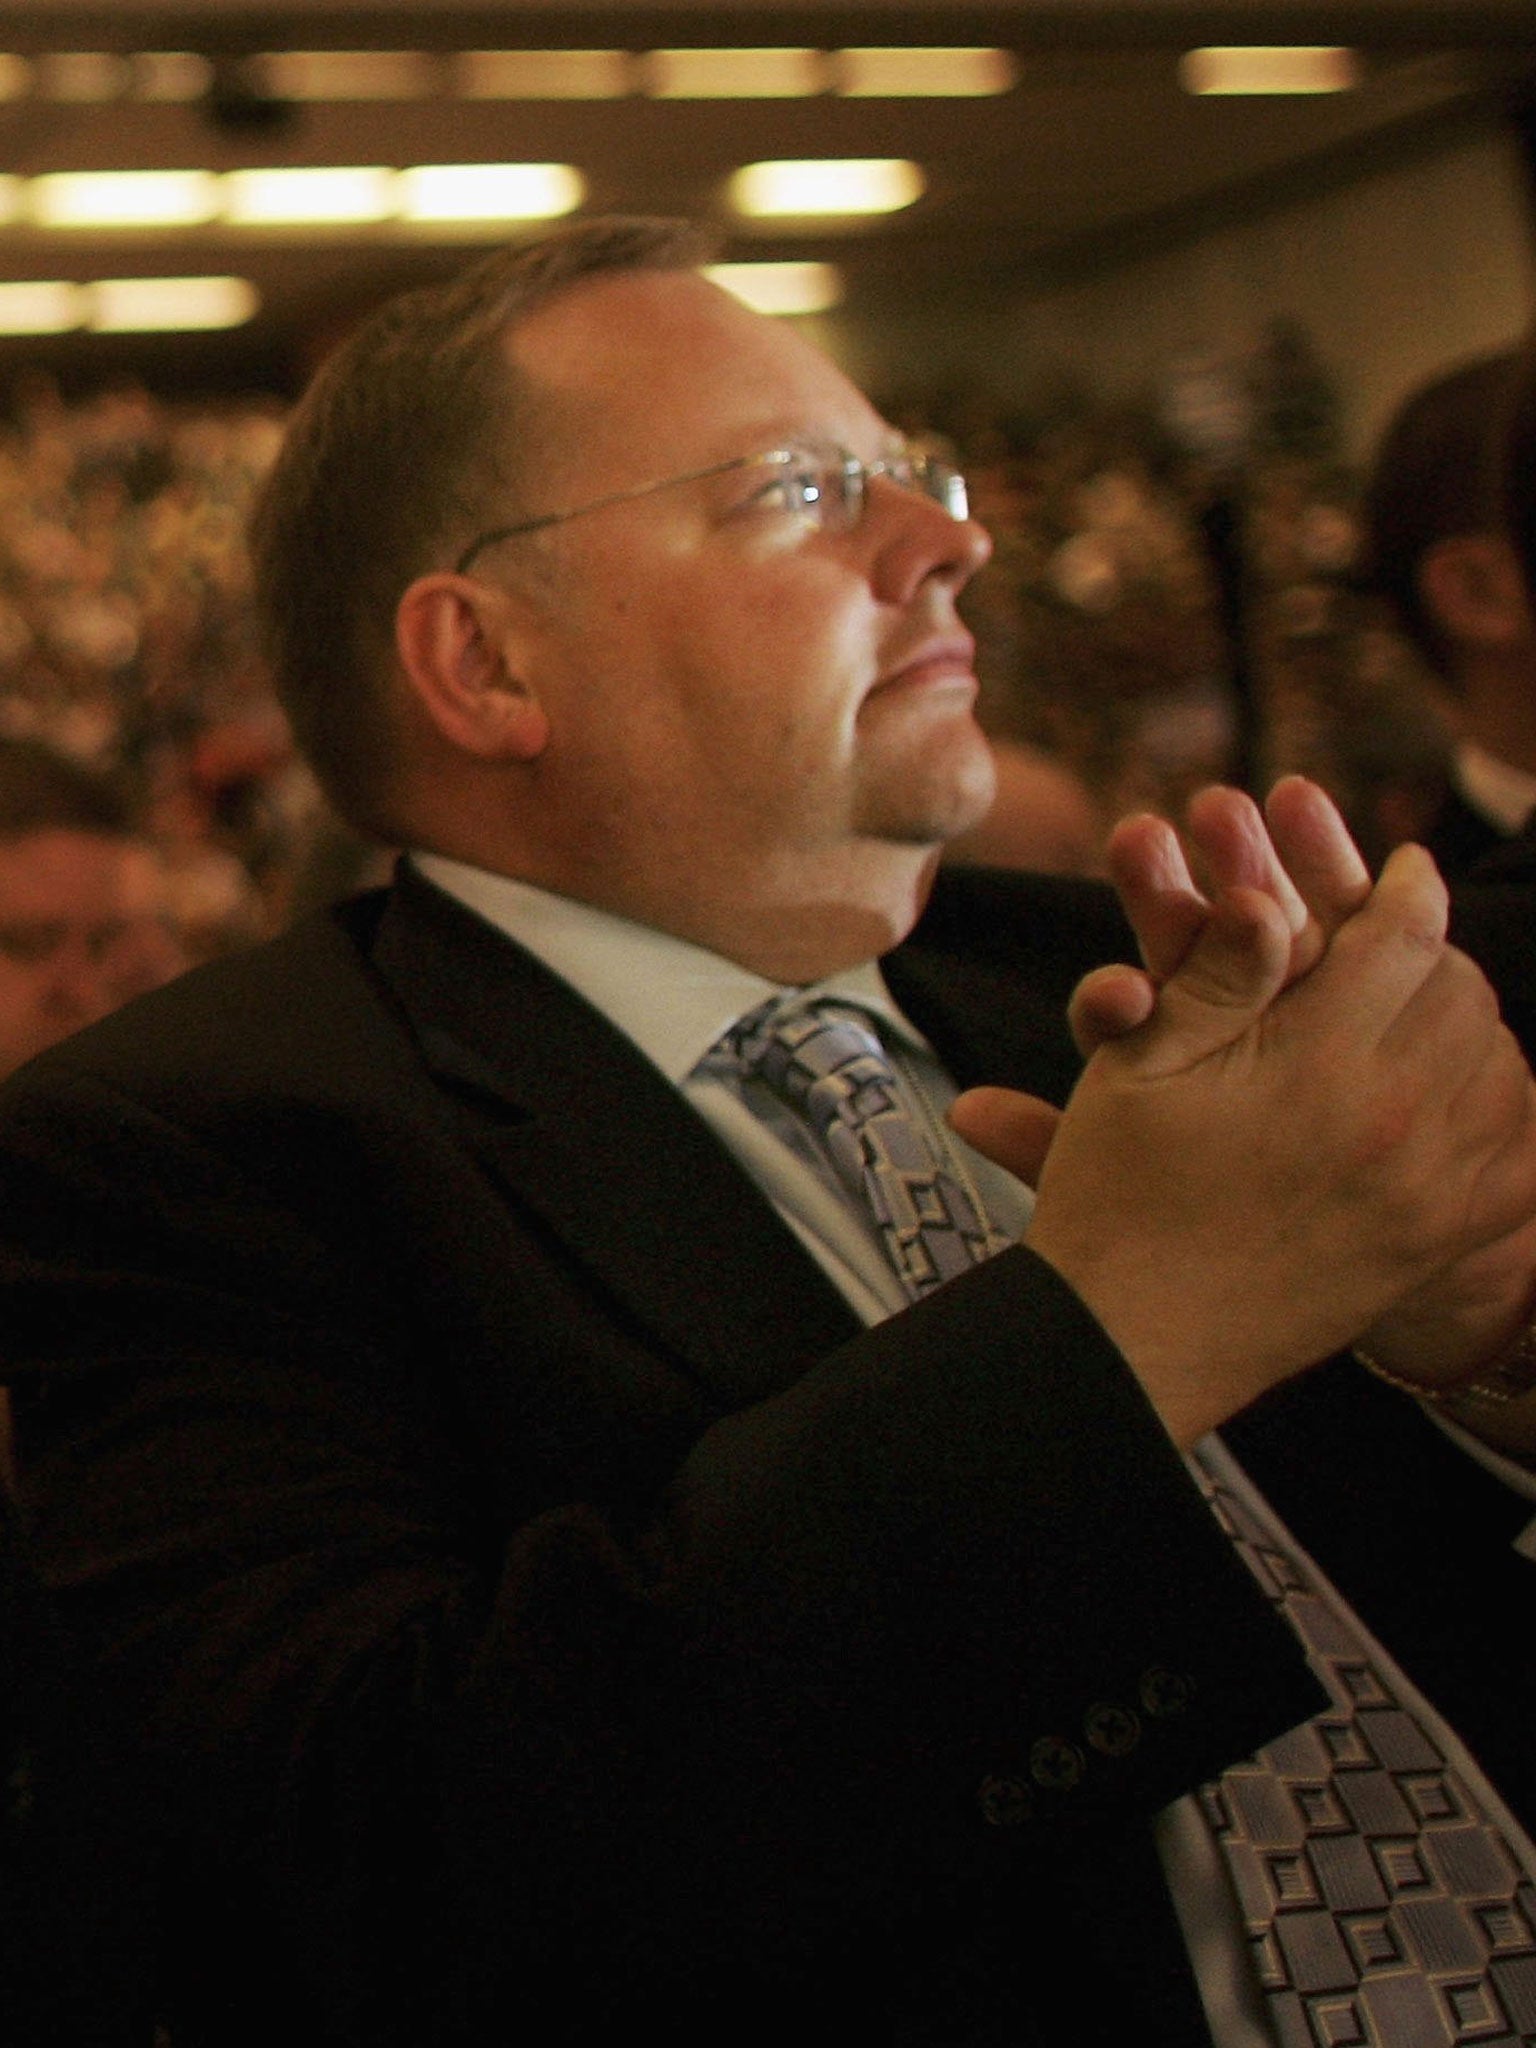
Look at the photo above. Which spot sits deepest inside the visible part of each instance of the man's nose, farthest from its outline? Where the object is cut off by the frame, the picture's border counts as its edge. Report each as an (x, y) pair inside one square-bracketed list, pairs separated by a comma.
[(918, 539)]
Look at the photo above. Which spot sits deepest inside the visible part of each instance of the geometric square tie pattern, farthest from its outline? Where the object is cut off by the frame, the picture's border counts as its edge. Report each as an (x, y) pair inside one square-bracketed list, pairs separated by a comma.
[(1385, 1908), (825, 1061)]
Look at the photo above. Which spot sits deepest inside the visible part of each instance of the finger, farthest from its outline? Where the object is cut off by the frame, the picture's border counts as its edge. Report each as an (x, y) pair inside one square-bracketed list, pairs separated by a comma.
[(1379, 958), (1233, 972), (1227, 830), (1107, 1004), (1313, 841), (1011, 1129), (1157, 892)]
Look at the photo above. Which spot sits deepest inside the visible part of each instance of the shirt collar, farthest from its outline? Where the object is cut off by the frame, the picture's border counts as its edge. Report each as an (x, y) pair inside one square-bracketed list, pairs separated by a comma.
[(672, 998), (1503, 793)]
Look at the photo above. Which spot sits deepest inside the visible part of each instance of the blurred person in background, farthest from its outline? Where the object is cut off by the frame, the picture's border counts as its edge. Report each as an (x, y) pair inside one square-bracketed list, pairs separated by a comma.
[(81, 924), (1435, 548)]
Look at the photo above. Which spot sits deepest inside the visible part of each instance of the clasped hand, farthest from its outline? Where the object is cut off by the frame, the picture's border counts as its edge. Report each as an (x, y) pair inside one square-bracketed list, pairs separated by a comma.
[(1301, 1123)]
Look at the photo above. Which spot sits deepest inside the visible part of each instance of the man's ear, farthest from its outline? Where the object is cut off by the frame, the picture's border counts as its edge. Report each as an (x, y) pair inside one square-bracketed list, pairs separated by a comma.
[(1472, 586), (458, 646)]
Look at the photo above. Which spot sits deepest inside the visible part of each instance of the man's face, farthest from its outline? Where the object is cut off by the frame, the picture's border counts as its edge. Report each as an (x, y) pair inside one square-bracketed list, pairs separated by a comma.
[(71, 915), (743, 706)]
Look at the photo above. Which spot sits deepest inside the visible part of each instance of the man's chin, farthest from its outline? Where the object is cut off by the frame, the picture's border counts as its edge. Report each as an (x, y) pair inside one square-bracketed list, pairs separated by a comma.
[(932, 809)]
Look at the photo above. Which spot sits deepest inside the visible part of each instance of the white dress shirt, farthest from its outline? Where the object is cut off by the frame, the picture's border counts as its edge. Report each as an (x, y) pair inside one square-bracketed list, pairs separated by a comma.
[(1497, 790)]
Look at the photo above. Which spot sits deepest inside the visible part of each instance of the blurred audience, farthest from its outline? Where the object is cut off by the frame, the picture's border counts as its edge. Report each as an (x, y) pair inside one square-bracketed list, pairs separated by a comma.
[(1099, 645), (127, 640)]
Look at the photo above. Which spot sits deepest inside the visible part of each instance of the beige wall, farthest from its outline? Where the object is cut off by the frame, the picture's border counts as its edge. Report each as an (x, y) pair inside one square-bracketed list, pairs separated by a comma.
[(1393, 275)]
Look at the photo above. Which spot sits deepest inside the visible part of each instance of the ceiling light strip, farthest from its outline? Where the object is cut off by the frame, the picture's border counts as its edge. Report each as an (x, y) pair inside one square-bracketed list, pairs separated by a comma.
[(781, 288), (404, 76), (488, 192), (127, 305), (121, 199), (343, 75), (802, 188), (1221, 69), (292, 196), (734, 74), (543, 74), (933, 73)]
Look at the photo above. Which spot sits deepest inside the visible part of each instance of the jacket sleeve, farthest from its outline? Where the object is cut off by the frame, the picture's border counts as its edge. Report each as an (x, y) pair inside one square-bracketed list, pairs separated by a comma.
[(944, 1614)]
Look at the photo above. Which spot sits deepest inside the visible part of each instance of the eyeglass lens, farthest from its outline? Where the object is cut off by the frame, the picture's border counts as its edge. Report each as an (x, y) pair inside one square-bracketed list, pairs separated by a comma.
[(833, 485)]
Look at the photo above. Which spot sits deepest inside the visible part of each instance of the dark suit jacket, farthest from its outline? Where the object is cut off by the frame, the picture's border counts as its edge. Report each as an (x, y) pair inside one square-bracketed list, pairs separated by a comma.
[(1460, 836), (516, 1590)]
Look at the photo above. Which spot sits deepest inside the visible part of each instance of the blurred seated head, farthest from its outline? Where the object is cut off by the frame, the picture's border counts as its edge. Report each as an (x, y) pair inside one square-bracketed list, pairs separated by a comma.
[(81, 928), (1519, 475), (1436, 548)]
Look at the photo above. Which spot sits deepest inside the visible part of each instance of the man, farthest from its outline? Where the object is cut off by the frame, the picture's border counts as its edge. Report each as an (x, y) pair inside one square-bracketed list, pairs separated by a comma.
[(79, 930), (556, 1559), (1435, 548)]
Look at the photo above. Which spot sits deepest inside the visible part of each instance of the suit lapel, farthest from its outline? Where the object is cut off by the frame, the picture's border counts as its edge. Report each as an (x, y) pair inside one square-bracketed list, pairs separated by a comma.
[(577, 1128)]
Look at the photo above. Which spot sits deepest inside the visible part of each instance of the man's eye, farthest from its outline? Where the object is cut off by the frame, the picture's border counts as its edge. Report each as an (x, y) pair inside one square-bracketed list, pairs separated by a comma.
[(797, 491)]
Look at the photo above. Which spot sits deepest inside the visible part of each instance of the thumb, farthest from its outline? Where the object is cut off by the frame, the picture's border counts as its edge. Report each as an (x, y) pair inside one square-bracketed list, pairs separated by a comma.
[(1232, 973), (1107, 1004), (1011, 1129)]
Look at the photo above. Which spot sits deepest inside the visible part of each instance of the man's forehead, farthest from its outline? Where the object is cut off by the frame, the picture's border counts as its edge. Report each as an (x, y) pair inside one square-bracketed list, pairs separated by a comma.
[(670, 353)]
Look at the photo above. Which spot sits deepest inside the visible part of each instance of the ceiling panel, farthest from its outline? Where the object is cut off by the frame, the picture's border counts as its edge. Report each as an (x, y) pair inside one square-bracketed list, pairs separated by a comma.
[(1096, 152)]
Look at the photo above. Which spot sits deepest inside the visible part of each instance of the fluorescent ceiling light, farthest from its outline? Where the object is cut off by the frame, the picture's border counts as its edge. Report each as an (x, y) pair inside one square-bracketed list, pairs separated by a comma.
[(734, 74), (849, 185), (346, 74), (1298, 68), (489, 191), (294, 196), (127, 305), (913, 73), (82, 76), (170, 75), (43, 307), (308, 197), (170, 305), (780, 287), (543, 74), (122, 199)]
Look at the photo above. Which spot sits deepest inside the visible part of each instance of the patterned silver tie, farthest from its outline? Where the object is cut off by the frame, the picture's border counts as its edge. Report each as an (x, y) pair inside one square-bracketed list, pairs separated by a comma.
[(826, 1062), (1385, 1908)]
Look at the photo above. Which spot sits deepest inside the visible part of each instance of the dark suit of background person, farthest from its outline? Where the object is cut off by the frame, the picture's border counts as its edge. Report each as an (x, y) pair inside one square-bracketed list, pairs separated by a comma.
[(522, 1599)]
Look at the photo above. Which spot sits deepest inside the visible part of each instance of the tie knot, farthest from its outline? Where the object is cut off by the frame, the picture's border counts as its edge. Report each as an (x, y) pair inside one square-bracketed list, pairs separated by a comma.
[(825, 1056), (825, 1061)]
